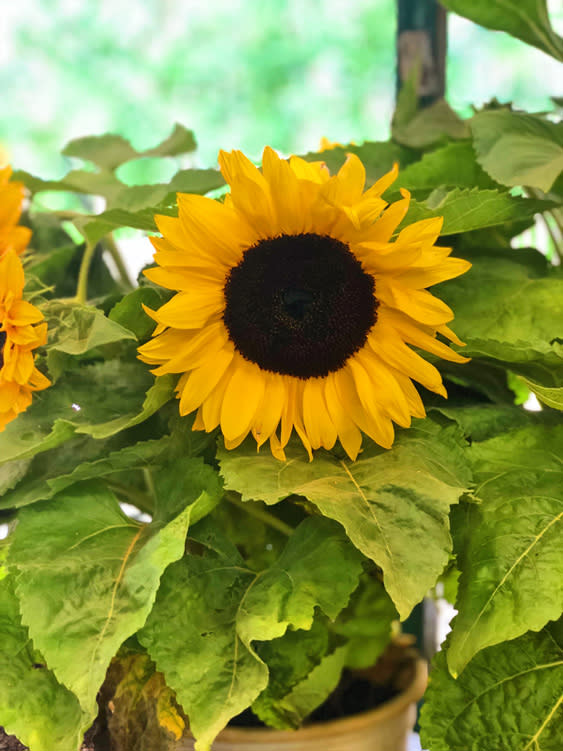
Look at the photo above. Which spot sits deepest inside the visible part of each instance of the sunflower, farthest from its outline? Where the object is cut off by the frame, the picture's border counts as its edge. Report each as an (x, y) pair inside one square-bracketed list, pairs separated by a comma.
[(296, 308), (20, 334), (11, 199)]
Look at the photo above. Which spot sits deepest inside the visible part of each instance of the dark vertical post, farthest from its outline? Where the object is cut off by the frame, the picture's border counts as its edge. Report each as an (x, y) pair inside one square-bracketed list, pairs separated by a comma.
[(421, 38)]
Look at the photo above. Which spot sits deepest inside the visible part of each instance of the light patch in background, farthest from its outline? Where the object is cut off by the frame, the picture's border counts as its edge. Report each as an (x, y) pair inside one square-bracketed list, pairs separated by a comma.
[(3, 531), (134, 513)]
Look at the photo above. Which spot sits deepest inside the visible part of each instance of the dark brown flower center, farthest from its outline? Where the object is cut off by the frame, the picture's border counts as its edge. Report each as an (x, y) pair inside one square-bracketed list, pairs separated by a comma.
[(299, 305), (2, 343)]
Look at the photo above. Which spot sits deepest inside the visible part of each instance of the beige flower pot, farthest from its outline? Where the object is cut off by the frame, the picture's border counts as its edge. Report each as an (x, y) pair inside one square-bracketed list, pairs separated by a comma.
[(383, 729)]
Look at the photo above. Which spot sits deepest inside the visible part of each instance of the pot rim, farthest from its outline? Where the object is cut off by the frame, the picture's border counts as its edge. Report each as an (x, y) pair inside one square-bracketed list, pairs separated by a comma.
[(410, 695)]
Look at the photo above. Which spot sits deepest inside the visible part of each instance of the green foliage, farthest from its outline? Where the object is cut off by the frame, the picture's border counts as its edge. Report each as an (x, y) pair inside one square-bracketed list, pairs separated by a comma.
[(512, 567), (519, 149), (90, 584), (110, 151), (255, 584), (507, 699), (33, 705), (210, 609), (505, 307), (527, 20), (377, 499), (466, 209)]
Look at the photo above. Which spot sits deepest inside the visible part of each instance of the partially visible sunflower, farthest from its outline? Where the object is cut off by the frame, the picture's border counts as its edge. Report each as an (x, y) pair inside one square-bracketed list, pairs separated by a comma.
[(11, 199), (296, 308), (20, 330)]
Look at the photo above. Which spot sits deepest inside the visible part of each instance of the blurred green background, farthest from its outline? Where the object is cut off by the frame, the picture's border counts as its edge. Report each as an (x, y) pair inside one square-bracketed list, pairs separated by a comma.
[(240, 73)]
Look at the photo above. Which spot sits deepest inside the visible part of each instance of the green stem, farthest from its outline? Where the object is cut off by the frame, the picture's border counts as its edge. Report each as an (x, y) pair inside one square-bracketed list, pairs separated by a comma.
[(82, 286), (250, 508), (113, 250), (138, 499)]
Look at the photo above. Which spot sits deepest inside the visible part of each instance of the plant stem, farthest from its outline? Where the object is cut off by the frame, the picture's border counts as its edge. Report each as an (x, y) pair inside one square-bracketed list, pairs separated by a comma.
[(149, 483), (82, 286), (113, 250), (264, 516)]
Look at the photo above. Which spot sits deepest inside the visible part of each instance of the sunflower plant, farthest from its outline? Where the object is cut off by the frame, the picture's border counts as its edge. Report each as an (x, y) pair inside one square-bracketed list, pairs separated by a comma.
[(229, 481)]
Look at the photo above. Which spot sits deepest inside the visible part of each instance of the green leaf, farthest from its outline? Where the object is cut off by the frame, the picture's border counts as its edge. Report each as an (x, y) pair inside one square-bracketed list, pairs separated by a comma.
[(95, 226), (103, 184), (509, 698), (451, 166), (366, 624), (290, 659), (210, 609), (158, 394), (517, 148), (87, 580), (431, 125), (527, 20), (109, 151), (77, 329), (506, 308), (129, 313), (41, 712), (11, 473), (99, 400), (552, 397), (181, 481), (512, 569), (393, 504), (466, 209), (306, 696), (42, 486)]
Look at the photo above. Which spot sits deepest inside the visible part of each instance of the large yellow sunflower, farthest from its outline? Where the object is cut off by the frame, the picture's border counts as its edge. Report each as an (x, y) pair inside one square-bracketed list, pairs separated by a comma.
[(295, 308), (11, 199), (20, 334)]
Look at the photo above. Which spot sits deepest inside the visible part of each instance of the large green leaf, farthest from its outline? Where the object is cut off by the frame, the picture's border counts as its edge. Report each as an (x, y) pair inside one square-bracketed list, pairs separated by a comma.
[(99, 400), (41, 712), (211, 608), (517, 148), (466, 209), (109, 151), (507, 308), (553, 397), (509, 698), (512, 567), (451, 166), (40, 486), (393, 504), (527, 20), (87, 579)]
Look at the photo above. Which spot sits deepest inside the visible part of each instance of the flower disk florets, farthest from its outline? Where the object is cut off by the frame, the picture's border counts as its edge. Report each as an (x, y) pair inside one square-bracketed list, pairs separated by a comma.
[(299, 305)]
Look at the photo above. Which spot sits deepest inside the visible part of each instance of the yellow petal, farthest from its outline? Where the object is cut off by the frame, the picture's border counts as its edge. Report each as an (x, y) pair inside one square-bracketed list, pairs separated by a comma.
[(213, 228), (348, 433), (201, 381), (417, 303), (11, 276), (316, 420), (412, 334), (419, 278), (192, 310), (285, 191), (390, 347), (196, 350), (315, 172), (242, 398), (391, 218), (270, 411)]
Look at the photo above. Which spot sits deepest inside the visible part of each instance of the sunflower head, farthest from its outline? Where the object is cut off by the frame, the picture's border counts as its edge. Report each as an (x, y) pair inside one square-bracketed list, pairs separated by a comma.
[(11, 199), (20, 330), (297, 305)]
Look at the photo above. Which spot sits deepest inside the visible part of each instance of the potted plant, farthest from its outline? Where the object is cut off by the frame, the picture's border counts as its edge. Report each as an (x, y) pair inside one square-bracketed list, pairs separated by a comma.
[(223, 490)]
